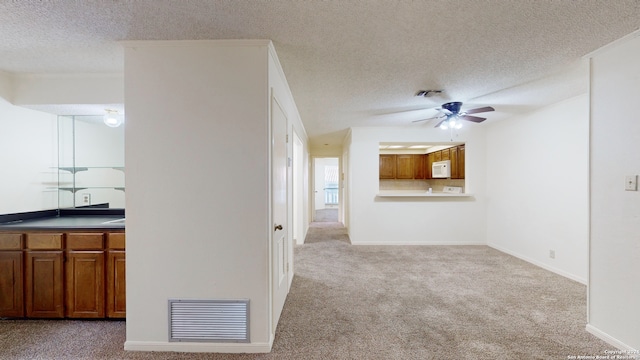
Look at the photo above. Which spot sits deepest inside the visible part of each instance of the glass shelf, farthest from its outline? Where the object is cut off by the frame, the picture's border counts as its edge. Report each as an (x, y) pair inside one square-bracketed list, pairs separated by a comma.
[(74, 190), (75, 169)]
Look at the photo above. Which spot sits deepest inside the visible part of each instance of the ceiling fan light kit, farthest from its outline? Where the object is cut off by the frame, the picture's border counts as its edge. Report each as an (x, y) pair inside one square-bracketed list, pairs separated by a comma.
[(451, 115)]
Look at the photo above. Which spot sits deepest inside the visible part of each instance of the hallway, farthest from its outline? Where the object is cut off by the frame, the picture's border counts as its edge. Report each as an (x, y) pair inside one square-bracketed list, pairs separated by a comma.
[(326, 228)]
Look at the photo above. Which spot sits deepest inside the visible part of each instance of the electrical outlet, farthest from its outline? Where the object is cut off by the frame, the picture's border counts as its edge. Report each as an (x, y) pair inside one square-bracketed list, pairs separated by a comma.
[(631, 183), (552, 254), (86, 199)]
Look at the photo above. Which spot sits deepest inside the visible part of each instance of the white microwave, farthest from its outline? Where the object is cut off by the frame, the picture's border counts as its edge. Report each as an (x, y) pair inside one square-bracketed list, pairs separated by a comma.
[(441, 169)]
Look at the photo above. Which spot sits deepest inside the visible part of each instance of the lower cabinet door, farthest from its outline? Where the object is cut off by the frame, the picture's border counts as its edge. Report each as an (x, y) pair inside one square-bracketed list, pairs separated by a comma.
[(116, 284), (85, 287), (44, 284), (11, 299)]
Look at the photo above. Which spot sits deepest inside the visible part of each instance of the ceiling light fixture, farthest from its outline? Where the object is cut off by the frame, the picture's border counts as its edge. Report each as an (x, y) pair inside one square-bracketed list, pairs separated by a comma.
[(452, 122), (112, 118)]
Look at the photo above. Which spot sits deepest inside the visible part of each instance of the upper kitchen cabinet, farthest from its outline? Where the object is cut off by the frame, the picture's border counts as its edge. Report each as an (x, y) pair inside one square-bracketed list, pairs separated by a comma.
[(460, 162), (455, 154), (402, 166), (419, 166), (387, 166)]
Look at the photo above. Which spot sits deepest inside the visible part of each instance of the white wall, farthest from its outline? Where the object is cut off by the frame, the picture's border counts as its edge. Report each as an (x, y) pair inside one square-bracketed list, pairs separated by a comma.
[(28, 154), (614, 286), (413, 221), (197, 154), (537, 186), (45, 89)]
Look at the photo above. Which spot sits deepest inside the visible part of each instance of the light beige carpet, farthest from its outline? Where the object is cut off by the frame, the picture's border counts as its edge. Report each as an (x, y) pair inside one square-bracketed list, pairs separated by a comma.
[(326, 215), (377, 302)]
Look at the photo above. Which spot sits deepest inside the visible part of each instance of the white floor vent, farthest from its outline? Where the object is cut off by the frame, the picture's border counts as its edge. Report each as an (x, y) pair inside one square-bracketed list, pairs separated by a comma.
[(209, 320)]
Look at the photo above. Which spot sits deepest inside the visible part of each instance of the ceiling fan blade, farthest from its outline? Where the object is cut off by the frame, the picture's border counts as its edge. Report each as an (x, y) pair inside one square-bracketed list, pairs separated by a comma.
[(479, 110), (437, 117), (476, 119), (438, 124)]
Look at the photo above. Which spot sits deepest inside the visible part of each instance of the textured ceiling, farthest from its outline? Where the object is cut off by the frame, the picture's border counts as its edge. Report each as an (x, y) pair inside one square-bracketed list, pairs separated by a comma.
[(348, 62)]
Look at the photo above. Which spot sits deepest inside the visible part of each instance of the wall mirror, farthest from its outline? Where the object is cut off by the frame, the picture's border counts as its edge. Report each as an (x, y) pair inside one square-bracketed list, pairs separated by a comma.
[(90, 162)]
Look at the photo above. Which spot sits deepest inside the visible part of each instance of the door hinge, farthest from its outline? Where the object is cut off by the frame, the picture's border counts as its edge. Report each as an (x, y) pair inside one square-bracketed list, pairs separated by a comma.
[(287, 267), (287, 137)]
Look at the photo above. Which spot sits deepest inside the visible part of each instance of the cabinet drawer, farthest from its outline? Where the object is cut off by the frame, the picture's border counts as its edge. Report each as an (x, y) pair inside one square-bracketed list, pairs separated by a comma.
[(10, 241), (116, 241), (44, 241), (85, 241)]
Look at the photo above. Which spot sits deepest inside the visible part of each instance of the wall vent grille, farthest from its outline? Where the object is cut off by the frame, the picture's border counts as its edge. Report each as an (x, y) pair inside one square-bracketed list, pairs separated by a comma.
[(209, 320)]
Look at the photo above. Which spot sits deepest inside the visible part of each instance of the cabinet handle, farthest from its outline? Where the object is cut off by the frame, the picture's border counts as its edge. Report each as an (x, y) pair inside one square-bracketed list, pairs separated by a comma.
[(278, 227)]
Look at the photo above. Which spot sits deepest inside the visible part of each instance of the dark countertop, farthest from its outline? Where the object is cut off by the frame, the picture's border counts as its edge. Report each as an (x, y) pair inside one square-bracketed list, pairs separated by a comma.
[(67, 223), (72, 219)]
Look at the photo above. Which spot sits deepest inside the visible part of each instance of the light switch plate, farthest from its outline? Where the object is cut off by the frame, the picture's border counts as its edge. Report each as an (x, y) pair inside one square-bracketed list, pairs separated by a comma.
[(631, 183)]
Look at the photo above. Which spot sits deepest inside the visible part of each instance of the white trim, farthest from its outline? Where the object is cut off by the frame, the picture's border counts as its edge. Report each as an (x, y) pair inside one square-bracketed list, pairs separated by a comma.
[(423, 243), (198, 347), (276, 62), (612, 341), (570, 276), (222, 42)]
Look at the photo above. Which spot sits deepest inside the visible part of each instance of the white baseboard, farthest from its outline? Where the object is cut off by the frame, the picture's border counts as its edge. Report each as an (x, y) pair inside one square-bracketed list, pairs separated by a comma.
[(197, 347), (403, 243), (542, 265), (627, 350)]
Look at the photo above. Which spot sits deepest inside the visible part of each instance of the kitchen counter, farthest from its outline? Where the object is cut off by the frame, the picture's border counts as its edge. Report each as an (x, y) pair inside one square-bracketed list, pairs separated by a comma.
[(421, 194), (87, 219), (67, 222)]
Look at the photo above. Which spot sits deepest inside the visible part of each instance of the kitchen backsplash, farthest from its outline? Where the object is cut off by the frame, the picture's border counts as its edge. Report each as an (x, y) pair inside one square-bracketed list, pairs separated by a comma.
[(437, 185)]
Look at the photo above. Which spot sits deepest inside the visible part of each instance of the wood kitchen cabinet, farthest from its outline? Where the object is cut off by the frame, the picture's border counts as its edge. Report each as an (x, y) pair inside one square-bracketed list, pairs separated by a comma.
[(453, 156), (419, 166), (404, 166), (387, 166), (116, 281), (437, 156), (461, 163), (56, 275), (445, 155), (11, 276), (44, 275), (85, 275)]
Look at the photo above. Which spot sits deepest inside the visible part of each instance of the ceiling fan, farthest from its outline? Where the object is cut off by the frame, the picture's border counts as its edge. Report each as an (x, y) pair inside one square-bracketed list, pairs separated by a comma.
[(451, 114)]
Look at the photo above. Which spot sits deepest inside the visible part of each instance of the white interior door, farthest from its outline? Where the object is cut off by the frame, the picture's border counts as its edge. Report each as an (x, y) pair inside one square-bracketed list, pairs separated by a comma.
[(318, 183), (298, 203), (279, 251)]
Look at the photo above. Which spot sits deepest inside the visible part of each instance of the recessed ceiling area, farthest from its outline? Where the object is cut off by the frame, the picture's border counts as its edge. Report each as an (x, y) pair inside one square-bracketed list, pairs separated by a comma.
[(414, 147), (77, 109), (348, 63)]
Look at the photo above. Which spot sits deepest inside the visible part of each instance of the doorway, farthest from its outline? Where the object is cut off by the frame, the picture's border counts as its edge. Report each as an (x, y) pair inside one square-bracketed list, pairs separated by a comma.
[(326, 189)]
